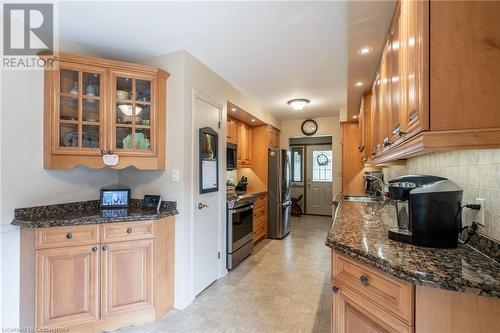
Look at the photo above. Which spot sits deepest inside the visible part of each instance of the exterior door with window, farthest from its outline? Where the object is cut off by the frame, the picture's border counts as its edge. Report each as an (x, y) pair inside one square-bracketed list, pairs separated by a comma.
[(319, 179)]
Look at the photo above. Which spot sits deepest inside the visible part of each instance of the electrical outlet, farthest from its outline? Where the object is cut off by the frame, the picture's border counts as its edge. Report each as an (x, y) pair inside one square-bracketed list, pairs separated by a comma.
[(480, 213)]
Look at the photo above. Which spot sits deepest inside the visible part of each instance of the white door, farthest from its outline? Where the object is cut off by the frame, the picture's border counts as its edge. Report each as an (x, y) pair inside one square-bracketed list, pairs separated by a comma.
[(206, 217), (319, 166)]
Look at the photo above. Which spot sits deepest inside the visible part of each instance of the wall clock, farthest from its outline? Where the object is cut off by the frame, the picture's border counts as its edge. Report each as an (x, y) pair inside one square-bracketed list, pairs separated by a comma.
[(309, 127)]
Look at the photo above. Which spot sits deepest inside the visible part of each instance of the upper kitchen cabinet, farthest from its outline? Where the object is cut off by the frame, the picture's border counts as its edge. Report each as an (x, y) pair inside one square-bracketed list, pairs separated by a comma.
[(438, 80), (231, 130), (96, 106), (244, 141), (274, 137)]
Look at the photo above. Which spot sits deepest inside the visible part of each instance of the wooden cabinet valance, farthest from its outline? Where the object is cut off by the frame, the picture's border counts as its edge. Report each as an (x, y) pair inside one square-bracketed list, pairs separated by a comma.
[(96, 106)]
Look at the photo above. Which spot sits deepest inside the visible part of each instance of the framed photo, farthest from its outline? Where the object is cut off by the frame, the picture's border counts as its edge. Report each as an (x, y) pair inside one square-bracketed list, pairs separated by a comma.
[(115, 198), (151, 202), (209, 160)]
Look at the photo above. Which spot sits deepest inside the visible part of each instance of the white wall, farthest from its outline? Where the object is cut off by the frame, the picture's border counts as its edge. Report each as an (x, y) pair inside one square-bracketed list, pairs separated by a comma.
[(24, 181), (326, 126)]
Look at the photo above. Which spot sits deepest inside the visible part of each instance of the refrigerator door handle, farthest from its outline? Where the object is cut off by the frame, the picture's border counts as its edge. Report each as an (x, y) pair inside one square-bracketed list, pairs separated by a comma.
[(287, 204)]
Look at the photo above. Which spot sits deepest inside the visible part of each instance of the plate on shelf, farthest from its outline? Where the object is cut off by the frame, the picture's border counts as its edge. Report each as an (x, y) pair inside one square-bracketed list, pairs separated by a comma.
[(89, 140), (141, 142)]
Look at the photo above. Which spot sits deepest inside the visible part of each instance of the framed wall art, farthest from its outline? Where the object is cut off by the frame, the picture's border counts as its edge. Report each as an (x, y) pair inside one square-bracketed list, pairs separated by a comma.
[(209, 160)]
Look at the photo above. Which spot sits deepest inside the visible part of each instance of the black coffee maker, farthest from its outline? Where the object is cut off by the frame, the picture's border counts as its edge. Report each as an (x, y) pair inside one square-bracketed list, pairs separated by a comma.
[(427, 208)]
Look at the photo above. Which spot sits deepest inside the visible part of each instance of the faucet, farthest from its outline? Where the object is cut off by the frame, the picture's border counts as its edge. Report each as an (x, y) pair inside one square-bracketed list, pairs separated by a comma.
[(381, 184)]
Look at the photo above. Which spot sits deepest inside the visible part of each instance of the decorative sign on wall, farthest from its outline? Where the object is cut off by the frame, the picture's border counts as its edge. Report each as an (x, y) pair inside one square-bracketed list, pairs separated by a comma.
[(209, 160)]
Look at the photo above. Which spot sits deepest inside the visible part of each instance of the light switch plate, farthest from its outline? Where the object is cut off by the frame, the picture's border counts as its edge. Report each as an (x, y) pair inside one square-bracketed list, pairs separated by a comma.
[(176, 175)]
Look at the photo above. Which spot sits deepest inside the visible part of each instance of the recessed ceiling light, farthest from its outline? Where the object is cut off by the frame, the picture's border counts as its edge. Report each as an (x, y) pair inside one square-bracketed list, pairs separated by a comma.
[(253, 119), (365, 50), (298, 104), (233, 109), (358, 84)]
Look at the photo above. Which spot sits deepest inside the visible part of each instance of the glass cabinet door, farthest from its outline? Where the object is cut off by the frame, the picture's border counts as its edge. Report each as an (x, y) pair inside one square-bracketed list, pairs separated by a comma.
[(79, 102), (133, 130)]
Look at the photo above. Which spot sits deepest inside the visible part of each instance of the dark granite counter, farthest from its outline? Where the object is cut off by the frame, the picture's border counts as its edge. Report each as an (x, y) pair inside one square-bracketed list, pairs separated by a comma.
[(87, 212), (359, 230)]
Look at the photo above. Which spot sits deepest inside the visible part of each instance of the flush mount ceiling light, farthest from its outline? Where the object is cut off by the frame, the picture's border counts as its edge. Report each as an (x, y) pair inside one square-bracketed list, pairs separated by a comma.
[(365, 50), (233, 109), (358, 84), (253, 119), (354, 117), (298, 104)]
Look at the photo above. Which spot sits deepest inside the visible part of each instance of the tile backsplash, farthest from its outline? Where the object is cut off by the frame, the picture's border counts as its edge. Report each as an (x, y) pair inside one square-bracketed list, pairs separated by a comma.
[(476, 171)]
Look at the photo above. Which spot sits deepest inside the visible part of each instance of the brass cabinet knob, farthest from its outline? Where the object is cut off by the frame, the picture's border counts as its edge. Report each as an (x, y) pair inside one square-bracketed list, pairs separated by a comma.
[(129, 230), (364, 280), (94, 249), (104, 247), (69, 235)]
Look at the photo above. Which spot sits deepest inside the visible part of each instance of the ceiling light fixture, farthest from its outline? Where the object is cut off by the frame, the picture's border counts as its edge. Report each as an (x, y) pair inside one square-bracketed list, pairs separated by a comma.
[(253, 119), (298, 104), (359, 84), (233, 109), (355, 117), (365, 50)]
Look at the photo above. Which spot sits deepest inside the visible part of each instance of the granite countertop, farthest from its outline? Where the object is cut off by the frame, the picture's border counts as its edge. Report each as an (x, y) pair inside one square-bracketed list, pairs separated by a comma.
[(359, 230), (87, 212)]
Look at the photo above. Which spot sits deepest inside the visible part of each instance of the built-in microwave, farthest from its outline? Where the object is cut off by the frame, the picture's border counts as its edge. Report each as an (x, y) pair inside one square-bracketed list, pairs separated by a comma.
[(231, 156)]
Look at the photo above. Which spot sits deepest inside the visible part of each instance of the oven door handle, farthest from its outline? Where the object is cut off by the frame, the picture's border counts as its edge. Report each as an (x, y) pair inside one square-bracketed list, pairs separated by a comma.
[(241, 209)]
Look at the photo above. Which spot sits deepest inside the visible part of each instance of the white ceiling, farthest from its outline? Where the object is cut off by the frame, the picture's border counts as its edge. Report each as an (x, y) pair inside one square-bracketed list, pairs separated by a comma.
[(271, 51), (368, 24)]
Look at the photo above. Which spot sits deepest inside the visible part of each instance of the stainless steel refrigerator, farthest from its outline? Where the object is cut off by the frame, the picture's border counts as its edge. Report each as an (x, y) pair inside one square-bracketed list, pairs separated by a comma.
[(279, 192)]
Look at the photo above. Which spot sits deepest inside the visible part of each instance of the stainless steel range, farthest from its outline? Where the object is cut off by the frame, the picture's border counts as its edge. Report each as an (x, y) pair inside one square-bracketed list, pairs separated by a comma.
[(239, 228)]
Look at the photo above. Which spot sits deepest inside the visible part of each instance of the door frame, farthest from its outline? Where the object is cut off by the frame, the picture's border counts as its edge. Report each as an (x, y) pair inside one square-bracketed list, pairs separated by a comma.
[(304, 183), (221, 232)]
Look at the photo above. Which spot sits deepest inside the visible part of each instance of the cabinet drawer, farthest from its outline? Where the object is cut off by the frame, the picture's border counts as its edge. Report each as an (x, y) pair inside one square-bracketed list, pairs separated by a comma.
[(115, 232), (393, 295), (260, 201), (66, 236), (259, 232), (258, 212), (259, 221)]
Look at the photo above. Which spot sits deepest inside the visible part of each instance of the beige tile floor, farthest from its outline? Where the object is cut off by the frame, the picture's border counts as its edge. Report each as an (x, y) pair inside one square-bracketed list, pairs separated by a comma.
[(282, 287)]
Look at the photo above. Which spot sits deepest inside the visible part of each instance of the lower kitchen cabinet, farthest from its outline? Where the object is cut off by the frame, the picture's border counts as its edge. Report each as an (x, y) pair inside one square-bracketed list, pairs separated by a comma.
[(366, 300), (351, 317), (67, 285), (127, 277), (91, 278), (260, 218)]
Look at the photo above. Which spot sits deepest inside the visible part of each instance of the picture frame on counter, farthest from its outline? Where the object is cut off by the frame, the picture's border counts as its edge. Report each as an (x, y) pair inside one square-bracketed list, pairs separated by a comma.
[(151, 202), (209, 160), (115, 198)]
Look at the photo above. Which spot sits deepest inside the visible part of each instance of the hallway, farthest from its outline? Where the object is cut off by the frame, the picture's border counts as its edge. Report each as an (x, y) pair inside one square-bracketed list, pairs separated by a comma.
[(282, 287)]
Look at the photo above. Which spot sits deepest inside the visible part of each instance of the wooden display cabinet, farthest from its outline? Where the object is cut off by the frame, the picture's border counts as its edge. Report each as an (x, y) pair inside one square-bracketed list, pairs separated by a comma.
[(96, 106)]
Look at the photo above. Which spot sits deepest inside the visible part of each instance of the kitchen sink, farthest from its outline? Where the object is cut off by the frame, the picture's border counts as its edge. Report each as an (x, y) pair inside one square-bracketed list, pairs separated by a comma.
[(361, 198)]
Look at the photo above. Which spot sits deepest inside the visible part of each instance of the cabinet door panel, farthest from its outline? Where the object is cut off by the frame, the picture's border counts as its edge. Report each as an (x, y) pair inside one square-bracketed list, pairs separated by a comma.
[(67, 285), (247, 157), (395, 81), (78, 113), (134, 120), (414, 67), (127, 276), (351, 313)]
